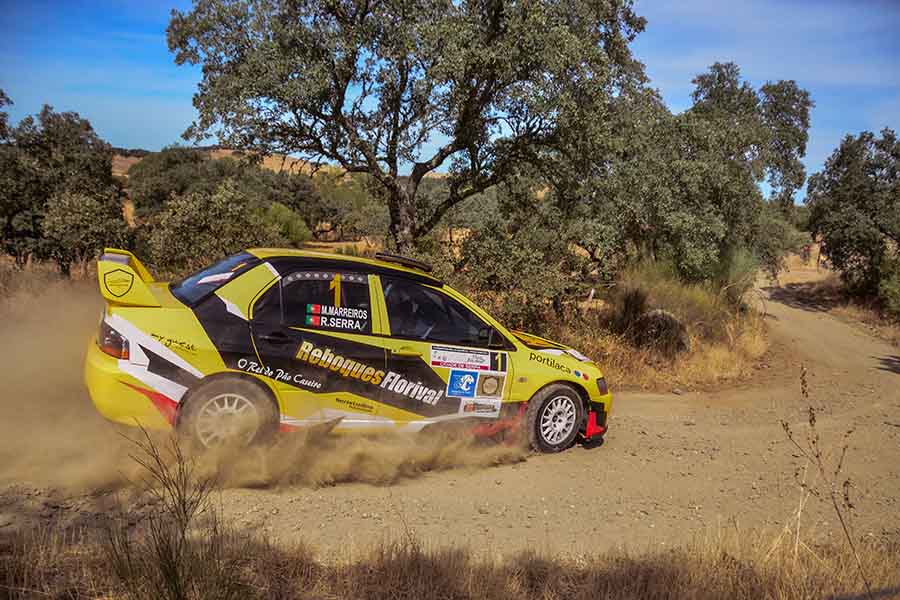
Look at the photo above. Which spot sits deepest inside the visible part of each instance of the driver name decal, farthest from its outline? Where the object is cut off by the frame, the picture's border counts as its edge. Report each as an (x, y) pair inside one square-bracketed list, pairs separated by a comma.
[(336, 317)]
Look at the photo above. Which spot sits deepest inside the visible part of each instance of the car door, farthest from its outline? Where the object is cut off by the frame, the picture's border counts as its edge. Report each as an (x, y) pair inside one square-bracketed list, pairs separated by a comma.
[(312, 332), (444, 361)]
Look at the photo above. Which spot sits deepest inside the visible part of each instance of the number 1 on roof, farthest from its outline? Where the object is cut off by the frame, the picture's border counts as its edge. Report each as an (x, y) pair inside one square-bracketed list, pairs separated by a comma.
[(336, 286)]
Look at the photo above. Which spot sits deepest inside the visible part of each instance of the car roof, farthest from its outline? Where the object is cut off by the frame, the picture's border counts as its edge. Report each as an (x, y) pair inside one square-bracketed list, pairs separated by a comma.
[(330, 259)]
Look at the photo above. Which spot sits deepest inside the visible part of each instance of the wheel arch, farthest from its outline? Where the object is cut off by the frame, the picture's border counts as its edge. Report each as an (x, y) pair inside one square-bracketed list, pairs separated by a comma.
[(580, 389), (259, 382)]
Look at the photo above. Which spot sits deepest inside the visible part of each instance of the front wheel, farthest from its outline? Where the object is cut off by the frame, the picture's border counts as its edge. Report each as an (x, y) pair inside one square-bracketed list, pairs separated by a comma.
[(228, 412), (553, 418)]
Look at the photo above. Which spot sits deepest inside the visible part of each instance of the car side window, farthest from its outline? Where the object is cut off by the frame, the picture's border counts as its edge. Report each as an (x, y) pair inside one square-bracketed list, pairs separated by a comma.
[(421, 313), (327, 300), (267, 308)]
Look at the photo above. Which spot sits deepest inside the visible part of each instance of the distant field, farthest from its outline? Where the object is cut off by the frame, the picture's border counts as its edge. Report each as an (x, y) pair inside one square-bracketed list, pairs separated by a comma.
[(275, 162), (121, 164)]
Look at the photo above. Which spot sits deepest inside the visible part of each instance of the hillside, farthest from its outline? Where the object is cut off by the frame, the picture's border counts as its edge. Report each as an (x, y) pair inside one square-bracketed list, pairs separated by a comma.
[(124, 159)]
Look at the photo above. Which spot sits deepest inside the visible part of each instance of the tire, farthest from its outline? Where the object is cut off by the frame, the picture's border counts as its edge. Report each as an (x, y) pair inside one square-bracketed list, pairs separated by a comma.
[(228, 412), (554, 417)]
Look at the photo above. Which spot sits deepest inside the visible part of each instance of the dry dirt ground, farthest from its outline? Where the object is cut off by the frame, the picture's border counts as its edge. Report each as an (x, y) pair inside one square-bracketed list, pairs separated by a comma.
[(674, 468)]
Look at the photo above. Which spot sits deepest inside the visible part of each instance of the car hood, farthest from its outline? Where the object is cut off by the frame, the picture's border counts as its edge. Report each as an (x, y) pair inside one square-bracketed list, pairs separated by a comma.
[(546, 346)]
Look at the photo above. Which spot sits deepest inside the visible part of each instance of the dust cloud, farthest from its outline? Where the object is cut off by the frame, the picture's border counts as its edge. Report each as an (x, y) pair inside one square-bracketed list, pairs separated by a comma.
[(49, 431), (319, 460), (51, 435)]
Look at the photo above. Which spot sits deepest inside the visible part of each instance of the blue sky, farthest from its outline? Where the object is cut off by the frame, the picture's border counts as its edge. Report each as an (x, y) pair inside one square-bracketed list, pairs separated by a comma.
[(108, 60)]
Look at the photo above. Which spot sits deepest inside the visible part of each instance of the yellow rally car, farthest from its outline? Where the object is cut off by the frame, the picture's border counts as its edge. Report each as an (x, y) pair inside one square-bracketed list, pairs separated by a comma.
[(273, 339)]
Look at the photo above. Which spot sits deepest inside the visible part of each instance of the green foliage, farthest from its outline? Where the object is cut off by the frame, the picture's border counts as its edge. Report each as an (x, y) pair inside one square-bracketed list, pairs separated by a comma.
[(889, 290), (774, 238), (195, 230), (180, 171), (4, 117), (350, 207), (367, 85), (685, 188), (77, 226), (518, 263), (160, 175), (736, 276), (291, 227), (40, 158), (854, 206)]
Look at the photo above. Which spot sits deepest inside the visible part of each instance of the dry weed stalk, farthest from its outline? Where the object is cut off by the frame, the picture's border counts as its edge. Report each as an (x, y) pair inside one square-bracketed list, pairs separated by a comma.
[(183, 551), (829, 472)]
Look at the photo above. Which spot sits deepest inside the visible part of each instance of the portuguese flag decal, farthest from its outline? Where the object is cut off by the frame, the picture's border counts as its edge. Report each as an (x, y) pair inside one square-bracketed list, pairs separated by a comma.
[(314, 320), (315, 309)]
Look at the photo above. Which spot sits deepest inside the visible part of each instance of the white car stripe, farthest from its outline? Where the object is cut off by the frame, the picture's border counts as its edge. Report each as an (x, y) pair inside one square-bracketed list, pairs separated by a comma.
[(135, 335), (232, 308)]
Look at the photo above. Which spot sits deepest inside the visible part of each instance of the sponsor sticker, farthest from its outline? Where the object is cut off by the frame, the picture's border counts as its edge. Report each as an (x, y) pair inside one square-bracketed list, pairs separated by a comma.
[(251, 366), (174, 343), (470, 359), (480, 407), (462, 384), (325, 359), (548, 359), (491, 385)]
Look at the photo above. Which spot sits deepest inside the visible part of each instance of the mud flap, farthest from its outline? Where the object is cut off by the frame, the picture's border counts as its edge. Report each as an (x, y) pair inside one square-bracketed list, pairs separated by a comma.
[(504, 428)]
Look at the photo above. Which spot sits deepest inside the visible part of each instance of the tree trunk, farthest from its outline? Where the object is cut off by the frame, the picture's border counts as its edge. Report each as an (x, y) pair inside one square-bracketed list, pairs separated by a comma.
[(403, 220)]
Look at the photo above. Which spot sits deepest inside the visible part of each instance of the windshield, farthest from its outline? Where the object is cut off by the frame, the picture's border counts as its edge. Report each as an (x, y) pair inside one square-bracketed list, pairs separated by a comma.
[(194, 288)]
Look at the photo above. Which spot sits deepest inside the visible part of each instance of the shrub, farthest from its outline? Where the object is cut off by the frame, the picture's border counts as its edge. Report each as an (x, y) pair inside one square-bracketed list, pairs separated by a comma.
[(77, 226), (889, 291), (737, 274), (519, 267), (696, 305), (194, 230), (291, 226)]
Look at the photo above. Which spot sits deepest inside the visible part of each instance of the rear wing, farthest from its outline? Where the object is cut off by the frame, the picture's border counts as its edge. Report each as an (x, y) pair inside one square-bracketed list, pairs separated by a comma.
[(123, 279)]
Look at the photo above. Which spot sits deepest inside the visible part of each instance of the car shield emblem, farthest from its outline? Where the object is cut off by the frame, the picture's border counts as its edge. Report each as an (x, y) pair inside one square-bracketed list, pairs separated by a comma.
[(118, 282)]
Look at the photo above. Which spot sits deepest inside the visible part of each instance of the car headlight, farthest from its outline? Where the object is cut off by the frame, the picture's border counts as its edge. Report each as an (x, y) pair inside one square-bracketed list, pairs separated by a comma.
[(601, 385)]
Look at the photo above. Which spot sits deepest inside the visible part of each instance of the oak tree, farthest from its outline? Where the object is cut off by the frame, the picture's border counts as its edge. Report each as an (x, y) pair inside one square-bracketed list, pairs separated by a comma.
[(405, 87)]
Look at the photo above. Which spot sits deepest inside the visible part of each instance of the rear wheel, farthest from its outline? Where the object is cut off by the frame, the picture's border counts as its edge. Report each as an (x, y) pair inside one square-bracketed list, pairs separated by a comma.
[(554, 417), (228, 412)]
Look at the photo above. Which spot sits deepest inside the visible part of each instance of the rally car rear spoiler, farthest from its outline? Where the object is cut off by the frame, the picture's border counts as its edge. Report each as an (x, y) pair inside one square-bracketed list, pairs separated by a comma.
[(123, 279)]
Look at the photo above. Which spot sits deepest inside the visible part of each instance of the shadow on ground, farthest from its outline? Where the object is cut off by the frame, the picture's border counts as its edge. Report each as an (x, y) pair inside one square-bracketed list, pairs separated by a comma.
[(890, 364), (805, 296)]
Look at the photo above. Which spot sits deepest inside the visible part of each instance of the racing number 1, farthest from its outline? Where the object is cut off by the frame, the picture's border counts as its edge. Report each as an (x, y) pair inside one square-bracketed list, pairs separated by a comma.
[(336, 286)]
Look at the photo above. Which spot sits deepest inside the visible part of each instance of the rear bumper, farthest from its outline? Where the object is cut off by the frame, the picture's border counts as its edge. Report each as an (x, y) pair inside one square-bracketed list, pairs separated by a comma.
[(118, 396)]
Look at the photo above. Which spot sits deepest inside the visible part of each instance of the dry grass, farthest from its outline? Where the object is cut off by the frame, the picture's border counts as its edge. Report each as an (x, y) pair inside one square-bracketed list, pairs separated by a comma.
[(724, 342), (708, 362), (43, 563)]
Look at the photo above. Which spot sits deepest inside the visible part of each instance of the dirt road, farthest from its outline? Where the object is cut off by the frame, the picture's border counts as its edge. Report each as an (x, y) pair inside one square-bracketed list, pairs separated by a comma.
[(674, 467)]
